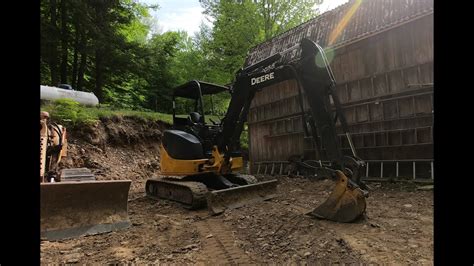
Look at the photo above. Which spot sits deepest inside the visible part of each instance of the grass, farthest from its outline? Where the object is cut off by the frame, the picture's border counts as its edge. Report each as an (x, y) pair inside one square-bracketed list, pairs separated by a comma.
[(70, 114), (97, 112)]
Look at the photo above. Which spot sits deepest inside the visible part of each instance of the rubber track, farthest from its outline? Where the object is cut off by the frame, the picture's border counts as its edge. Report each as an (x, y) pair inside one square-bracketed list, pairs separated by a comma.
[(218, 245), (198, 190)]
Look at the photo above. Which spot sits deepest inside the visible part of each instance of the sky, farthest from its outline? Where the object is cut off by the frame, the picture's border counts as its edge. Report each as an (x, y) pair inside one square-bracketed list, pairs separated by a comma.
[(187, 14)]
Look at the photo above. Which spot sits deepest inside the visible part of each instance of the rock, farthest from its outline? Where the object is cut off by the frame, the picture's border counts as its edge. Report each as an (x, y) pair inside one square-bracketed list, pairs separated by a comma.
[(375, 225), (209, 236), (413, 245), (137, 223), (307, 254), (425, 188), (407, 205), (72, 260), (192, 246)]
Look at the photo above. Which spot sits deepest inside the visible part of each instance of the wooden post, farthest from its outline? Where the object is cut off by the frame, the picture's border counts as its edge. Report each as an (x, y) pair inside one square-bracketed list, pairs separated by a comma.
[(381, 169)]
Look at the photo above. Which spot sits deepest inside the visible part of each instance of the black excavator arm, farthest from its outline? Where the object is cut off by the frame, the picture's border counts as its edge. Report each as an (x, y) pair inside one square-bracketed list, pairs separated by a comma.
[(318, 84), (315, 78)]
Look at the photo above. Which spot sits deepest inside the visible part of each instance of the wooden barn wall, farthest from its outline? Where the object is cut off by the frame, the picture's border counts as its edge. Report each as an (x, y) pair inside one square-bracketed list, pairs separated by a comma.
[(385, 85)]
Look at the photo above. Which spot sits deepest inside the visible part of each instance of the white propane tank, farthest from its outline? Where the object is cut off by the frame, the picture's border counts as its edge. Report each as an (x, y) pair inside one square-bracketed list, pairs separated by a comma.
[(53, 93)]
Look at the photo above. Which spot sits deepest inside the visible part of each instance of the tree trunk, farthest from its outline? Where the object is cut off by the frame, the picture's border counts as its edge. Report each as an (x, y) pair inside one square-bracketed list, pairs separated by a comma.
[(75, 58), (99, 49), (64, 37), (82, 69), (53, 48), (98, 74)]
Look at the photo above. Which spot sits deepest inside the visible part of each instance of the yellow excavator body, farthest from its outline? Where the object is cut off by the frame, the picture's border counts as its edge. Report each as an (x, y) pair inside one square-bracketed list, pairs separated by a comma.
[(176, 167)]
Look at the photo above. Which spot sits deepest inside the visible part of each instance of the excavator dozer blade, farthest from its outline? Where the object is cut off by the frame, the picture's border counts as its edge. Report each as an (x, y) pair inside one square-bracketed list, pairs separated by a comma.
[(220, 200), (345, 204), (73, 209)]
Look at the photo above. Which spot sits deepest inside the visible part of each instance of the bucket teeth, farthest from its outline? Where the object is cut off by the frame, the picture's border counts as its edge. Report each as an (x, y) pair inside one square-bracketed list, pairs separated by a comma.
[(345, 204)]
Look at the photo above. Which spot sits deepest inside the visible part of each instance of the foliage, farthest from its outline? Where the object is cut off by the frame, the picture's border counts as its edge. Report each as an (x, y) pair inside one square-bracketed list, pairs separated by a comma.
[(111, 48), (68, 112)]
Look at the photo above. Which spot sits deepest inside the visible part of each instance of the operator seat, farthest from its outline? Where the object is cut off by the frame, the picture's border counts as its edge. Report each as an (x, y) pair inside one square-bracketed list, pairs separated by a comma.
[(195, 117)]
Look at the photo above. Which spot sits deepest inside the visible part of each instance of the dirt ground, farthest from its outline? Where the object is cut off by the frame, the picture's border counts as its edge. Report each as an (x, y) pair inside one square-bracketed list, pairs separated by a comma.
[(398, 227)]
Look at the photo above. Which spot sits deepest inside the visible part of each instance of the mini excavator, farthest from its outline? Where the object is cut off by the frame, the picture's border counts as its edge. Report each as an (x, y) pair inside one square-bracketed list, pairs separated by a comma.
[(200, 162)]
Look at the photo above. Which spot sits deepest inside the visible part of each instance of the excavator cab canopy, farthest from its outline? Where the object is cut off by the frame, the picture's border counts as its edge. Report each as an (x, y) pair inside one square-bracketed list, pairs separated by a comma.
[(195, 89), (188, 100)]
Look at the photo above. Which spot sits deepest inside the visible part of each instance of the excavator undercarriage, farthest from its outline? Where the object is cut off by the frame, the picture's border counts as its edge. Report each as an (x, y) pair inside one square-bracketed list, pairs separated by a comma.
[(218, 193)]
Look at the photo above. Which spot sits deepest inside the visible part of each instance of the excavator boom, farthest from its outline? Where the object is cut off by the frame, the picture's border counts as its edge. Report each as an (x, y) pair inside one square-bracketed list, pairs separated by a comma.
[(314, 77)]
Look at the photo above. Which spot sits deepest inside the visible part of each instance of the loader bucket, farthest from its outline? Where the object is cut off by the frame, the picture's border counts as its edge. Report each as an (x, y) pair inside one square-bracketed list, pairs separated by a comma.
[(345, 204), (220, 200), (73, 209)]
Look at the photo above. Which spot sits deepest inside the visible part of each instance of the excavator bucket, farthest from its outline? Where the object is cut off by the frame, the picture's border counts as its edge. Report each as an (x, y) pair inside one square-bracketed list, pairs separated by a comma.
[(345, 204), (71, 209), (220, 200)]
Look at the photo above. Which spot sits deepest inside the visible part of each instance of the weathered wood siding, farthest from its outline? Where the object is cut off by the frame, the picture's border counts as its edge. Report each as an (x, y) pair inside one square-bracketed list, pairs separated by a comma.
[(384, 81)]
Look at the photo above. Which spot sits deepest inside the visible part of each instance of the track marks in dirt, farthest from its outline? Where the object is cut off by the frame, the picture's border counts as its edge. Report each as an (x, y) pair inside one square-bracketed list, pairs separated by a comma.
[(219, 244)]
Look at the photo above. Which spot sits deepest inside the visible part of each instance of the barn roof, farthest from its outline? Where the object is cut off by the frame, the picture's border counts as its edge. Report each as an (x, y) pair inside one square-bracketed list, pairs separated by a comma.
[(368, 17)]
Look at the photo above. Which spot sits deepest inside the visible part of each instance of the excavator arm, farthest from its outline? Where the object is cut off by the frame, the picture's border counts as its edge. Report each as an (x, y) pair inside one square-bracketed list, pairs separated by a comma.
[(315, 78)]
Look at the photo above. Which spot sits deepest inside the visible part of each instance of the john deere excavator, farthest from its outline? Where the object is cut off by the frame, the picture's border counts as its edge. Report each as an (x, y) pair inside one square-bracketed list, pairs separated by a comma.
[(73, 203), (199, 161)]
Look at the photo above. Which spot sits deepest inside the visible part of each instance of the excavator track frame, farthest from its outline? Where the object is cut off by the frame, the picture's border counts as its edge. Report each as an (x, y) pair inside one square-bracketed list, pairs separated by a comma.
[(244, 190), (191, 194)]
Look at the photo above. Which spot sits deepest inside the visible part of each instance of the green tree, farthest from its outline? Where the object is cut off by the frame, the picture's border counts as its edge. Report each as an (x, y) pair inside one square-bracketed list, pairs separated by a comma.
[(242, 24), (279, 16), (89, 43)]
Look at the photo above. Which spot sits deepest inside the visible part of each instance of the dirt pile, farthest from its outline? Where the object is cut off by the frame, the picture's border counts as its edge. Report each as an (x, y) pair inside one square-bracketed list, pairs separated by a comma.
[(117, 148)]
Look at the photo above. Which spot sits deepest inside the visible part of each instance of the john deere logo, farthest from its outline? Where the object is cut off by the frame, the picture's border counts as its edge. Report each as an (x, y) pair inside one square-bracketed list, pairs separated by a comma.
[(262, 78)]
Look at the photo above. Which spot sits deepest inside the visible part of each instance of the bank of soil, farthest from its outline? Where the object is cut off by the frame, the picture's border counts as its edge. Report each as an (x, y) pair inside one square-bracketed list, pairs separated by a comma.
[(398, 227)]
